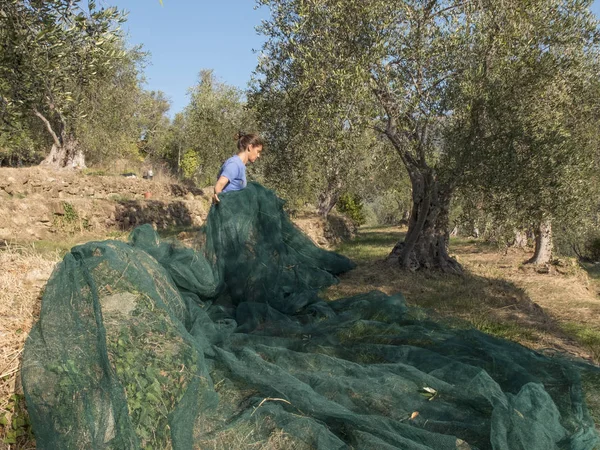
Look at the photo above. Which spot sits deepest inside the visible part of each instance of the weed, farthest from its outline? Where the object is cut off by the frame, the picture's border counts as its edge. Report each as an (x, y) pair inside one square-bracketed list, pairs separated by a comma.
[(70, 215), (14, 422), (70, 221)]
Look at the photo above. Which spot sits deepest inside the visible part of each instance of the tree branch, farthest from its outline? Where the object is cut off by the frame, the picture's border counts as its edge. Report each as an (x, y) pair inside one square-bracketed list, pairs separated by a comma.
[(48, 127)]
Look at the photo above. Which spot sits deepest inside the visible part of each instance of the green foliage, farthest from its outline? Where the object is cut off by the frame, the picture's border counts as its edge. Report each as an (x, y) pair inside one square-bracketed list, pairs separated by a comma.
[(153, 123), (122, 120), (207, 128), (14, 422), (533, 117), (585, 336), (592, 248), (68, 79), (146, 354), (19, 146), (390, 206), (190, 164), (310, 111), (50, 52), (70, 215), (70, 221), (498, 96), (352, 206)]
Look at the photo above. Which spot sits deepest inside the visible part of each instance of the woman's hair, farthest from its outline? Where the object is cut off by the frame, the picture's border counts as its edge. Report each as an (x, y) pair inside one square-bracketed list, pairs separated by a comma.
[(245, 140)]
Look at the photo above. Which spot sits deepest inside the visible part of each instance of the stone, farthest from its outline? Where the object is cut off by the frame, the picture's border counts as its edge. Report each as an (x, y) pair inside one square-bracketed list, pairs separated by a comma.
[(57, 208)]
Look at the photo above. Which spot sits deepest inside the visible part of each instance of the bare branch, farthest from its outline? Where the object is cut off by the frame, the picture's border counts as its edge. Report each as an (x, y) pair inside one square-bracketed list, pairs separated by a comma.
[(48, 127)]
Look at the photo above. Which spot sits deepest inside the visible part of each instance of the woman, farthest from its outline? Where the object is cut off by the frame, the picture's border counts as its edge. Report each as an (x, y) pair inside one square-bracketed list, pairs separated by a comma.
[(232, 176)]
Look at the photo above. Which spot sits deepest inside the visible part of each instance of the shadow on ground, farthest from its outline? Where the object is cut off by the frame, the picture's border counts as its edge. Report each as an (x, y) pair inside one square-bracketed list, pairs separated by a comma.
[(489, 303), (162, 215)]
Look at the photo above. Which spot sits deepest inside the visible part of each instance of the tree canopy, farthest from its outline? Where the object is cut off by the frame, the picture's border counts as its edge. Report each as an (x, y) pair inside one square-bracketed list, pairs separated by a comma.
[(69, 81), (427, 76)]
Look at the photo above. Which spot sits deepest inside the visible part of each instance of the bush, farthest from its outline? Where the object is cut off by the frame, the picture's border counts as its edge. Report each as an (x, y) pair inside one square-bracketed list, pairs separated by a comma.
[(351, 205)]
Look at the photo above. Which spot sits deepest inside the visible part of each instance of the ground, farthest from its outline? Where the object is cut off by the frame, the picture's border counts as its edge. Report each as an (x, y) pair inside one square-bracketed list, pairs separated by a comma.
[(553, 310)]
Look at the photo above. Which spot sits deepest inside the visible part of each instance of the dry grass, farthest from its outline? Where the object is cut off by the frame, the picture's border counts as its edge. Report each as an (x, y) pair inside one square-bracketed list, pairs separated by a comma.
[(556, 311), (249, 436), (24, 273)]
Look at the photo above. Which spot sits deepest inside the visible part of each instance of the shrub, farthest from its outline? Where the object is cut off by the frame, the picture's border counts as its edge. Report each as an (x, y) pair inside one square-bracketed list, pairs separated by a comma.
[(351, 205)]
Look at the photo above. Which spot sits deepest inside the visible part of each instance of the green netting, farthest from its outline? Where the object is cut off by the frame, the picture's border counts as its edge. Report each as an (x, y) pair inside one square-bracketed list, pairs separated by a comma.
[(148, 344)]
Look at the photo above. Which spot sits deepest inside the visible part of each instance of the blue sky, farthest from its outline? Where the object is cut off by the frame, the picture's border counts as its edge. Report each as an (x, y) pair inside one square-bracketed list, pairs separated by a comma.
[(186, 36)]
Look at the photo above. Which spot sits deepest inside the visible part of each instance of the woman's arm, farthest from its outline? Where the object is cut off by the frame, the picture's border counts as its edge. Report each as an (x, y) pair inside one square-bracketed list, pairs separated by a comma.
[(221, 183)]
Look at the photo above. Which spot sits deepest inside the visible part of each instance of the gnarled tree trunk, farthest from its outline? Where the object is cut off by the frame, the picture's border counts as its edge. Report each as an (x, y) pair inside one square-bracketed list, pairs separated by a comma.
[(65, 156), (425, 245), (543, 243), (65, 152), (329, 197)]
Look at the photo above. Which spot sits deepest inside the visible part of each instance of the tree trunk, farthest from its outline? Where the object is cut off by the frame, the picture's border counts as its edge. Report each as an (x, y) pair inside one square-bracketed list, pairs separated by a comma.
[(543, 244), (64, 152), (65, 156), (329, 197), (425, 245), (327, 201), (520, 240)]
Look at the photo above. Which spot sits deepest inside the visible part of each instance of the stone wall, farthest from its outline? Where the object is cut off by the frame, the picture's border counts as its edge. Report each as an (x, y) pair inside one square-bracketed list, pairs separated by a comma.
[(39, 204)]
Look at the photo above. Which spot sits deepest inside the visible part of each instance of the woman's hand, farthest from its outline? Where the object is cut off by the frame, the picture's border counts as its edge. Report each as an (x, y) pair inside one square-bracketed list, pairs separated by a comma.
[(221, 183)]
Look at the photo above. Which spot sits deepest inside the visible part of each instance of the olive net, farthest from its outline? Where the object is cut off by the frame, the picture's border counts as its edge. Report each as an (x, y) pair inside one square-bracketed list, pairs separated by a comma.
[(153, 345)]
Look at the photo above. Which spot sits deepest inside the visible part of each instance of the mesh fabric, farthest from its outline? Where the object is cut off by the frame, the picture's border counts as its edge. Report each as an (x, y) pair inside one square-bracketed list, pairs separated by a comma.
[(152, 345)]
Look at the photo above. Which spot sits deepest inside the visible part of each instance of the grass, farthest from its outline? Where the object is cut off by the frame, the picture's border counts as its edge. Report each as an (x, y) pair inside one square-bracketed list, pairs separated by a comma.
[(585, 335), (66, 243), (369, 245), (497, 294), (120, 197)]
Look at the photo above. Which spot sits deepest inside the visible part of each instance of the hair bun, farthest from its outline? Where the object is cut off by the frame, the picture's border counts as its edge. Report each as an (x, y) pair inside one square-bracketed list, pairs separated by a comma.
[(239, 135)]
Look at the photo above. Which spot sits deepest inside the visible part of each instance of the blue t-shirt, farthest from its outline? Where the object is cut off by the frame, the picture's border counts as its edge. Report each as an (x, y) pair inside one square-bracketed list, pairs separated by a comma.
[(235, 171)]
